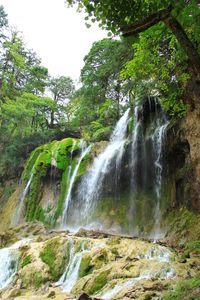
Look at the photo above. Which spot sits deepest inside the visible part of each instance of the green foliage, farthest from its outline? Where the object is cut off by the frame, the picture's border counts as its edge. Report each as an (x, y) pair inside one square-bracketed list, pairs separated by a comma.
[(151, 72), (27, 118), (186, 289), (160, 63), (97, 105)]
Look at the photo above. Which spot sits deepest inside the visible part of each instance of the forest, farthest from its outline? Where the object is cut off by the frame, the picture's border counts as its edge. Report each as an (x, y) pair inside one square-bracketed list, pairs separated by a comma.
[(115, 74), (100, 180)]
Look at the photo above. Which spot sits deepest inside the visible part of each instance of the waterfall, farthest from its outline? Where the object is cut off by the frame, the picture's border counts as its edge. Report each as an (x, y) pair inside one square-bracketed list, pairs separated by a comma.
[(9, 261), (146, 159), (70, 275), (91, 186), (54, 154), (134, 147), (84, 152), (21, 204), (71, 160), (158, 139), (8, 266)]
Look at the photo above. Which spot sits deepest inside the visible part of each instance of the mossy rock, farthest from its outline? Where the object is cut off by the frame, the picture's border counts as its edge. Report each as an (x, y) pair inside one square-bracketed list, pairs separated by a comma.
[(86, 267), (54, 255), (35, 279), (98, 282), (27, 260)]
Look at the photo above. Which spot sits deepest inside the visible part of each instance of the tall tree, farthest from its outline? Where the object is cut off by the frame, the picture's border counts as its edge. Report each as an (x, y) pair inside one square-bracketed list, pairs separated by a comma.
[(62, 89), (101, 72), (132, 17)]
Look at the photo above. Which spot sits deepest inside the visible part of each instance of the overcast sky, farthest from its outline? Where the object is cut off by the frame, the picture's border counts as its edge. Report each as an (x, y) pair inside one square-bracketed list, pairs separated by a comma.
[(55, 32)]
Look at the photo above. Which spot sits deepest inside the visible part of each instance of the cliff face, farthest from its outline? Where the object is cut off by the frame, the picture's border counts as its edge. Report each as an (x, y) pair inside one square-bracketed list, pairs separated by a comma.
[(134, 194)]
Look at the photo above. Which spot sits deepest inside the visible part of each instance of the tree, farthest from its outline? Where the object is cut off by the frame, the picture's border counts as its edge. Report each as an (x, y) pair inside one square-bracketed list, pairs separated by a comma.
[(62, 89), (20, 69), (3, 23), (100, 75), (132, 17)]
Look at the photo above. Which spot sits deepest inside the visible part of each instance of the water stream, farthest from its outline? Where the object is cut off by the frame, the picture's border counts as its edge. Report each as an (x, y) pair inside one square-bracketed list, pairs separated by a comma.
[(21, 204), (91, 186), (70, 275), (84, 151), (8, 262)]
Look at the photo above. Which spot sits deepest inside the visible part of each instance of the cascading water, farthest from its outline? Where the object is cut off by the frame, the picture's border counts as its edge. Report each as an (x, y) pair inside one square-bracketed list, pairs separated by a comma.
[(8, 266), (70, 275), (84, 151), (70, 167), (91, 186), (134, 147), (158, 139), (21, 204), (9, 261), (150, 123)]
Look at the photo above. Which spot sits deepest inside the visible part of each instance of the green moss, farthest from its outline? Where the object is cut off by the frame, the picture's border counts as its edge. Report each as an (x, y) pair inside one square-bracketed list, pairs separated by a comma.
[(63, 192), (101, 259), (98, 283), (85, 266), (64, 150), (35, 280), (184, 227), (186, 289), (103, 256), (38, 280), (193, 247), (31, 162), (26, 261), (41, 167), (113, 241), (114, 251), (40, 162), (49, 256)]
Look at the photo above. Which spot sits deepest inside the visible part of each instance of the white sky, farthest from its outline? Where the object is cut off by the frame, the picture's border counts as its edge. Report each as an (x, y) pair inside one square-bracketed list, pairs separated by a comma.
[(55, 32)]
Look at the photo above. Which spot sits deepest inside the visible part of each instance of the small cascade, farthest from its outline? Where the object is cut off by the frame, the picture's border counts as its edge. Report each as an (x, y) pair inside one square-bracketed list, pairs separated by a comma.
[(91, 186), (70, 275), (158, 139), (160, 257), (84, 151), (8, 266), (54, 154), (158, 253), (8, 262), (21, 204), (71, 160)]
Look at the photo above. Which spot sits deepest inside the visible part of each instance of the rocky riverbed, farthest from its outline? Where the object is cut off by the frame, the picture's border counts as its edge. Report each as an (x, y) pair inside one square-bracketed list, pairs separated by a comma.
[(45, 264)]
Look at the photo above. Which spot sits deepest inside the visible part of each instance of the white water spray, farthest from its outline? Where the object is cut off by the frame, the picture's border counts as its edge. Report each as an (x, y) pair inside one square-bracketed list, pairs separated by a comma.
[(92, 183), (21, 204), (70, 275), (84, 152)]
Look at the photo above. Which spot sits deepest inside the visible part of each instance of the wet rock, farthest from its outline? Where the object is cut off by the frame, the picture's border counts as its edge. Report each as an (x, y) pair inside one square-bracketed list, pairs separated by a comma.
[(52, 294), (84, 296)]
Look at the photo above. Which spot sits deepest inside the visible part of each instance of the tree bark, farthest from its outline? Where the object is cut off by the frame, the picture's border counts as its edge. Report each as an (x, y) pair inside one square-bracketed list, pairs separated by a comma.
[(188, 47)]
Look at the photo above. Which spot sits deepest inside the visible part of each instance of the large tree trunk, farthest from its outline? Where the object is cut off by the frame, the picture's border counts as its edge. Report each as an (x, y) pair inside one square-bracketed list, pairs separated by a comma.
[(188, 47)]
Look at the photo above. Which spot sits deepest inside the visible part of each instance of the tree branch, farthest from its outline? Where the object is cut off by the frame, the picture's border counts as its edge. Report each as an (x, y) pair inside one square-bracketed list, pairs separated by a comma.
[(135, 28)]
